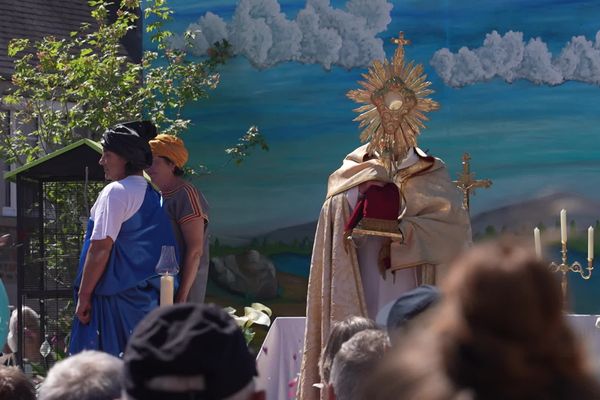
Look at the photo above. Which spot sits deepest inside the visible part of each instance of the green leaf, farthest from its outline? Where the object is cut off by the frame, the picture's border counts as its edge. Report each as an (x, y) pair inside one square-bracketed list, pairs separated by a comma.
[(248, 335), (16, 46)]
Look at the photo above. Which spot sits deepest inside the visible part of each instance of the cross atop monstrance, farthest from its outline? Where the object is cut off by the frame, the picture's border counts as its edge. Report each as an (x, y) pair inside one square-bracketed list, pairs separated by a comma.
[(400, 42), (467, 183)]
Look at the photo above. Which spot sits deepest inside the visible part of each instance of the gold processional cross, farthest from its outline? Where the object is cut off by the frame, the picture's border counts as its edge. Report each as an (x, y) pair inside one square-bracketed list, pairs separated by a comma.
[(467, 183)]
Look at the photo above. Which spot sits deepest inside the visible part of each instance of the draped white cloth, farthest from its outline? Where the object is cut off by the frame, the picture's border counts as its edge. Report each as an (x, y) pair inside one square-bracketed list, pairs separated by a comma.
[(279, 359), (588, 331)]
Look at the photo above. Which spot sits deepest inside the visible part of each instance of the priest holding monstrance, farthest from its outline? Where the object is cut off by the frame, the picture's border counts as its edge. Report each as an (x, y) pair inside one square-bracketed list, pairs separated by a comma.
[(392, 217)]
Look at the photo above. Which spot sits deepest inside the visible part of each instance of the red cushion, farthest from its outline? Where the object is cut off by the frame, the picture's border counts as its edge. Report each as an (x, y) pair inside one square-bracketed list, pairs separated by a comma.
[(381, 202)]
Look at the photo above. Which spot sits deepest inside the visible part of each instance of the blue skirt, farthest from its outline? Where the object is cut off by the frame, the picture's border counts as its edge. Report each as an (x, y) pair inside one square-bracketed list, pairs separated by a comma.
[(113, 319)]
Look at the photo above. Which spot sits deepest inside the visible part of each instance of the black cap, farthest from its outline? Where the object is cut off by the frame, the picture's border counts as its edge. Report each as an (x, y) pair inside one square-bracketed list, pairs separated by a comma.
[(130, 141), (411, 304), (187, 351)]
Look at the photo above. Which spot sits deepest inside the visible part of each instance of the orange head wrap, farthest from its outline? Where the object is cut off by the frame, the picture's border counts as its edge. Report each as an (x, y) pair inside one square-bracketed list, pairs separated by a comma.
[(171, 147)]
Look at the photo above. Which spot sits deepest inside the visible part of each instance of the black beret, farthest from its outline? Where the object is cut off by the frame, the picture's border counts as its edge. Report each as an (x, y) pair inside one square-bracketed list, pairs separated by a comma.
[(130, 141), (187, 351)]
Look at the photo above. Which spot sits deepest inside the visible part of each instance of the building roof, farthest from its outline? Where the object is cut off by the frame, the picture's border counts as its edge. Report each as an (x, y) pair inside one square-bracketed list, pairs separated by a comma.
[(34, 19), (66, 164)]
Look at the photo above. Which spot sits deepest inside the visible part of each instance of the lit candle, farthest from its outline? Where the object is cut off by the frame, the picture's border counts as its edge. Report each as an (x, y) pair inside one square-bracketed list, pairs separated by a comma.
[(167, 288), (563, 225), (538, 242), (590, 243)]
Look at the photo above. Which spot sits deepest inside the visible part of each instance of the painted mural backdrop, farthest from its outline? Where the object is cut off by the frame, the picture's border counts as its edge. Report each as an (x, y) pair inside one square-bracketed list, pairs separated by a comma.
[(519, 87)]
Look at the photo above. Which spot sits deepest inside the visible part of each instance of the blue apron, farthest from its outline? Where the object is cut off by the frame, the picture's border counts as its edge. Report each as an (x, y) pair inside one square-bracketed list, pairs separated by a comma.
[(129, 288)]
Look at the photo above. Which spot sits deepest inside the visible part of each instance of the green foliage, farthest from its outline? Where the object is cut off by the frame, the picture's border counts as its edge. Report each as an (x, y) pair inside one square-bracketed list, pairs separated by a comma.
[(220, 52), (578, 242), (490, 231), (251, 139), (303, 247), (77, 87)]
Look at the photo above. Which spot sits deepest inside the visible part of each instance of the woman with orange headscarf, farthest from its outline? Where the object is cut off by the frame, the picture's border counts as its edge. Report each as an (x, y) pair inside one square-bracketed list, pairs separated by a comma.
[(188, 210)]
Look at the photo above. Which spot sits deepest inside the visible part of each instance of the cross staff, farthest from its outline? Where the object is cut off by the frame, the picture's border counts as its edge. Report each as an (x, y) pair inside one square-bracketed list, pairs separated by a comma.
[(467, 183)]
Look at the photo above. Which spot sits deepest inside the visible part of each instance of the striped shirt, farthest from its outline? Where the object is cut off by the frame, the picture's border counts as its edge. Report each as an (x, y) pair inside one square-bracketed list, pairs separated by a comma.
[(182, 205)]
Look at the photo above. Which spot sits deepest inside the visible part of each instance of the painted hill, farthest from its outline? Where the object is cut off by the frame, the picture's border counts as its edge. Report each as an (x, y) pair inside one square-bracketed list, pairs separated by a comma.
[(515, 218), (542, 211), (291, 234)]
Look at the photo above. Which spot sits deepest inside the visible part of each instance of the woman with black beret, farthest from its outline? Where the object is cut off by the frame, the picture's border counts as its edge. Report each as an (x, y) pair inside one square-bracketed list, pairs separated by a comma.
[(116, 283)]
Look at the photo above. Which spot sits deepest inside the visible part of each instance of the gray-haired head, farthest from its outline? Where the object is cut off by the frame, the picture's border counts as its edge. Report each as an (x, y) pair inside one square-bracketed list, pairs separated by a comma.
[(340, 332), (31, 321), (357, 357), (89, 375)]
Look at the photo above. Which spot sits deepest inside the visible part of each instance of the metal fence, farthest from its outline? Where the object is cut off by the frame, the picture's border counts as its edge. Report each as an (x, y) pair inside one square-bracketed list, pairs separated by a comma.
[(51, 218)]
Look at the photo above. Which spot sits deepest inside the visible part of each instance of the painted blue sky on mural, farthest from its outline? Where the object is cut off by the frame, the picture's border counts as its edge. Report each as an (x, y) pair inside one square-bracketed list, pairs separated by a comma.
[(524, 103)]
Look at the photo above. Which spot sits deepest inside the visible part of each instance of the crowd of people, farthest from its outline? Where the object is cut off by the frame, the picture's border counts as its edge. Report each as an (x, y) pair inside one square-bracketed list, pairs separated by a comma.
[(185, 351), (495, 329)]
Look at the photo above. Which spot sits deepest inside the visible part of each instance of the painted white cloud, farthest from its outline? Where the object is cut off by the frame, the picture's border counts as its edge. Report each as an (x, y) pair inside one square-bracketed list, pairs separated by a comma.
[(320, 34), (209, 29), (319, 45), (508, 57), (262, 33), (537, 66), (579, 60)]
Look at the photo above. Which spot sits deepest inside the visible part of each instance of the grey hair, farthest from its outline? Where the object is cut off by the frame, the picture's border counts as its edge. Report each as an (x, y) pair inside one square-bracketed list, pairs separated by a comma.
[(356, 359), (89, 375), (340, 332), (31, 320)]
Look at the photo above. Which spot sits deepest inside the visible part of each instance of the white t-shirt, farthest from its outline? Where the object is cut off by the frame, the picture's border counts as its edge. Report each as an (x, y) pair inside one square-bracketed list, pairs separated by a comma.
[(115, 204)]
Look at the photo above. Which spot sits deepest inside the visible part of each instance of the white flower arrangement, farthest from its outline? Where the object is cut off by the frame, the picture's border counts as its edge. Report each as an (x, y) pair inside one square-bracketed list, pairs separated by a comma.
[(257, 313)]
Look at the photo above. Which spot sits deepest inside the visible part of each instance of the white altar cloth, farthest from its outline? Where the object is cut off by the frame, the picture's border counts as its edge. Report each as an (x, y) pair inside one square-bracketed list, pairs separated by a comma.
[(589, 335), (278, 361)]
